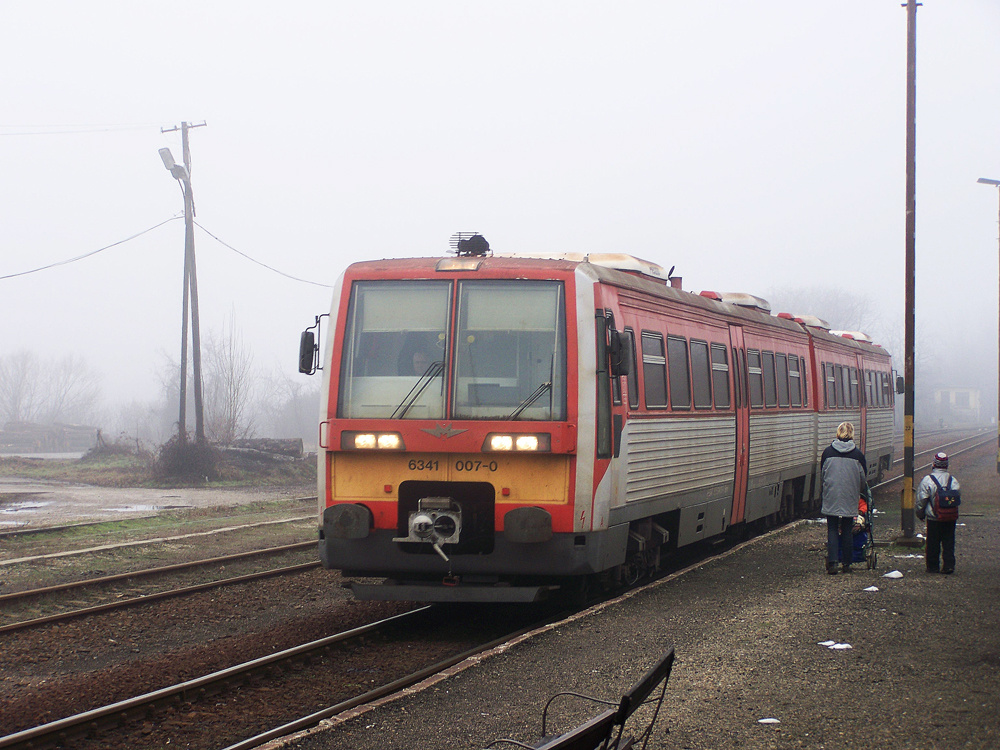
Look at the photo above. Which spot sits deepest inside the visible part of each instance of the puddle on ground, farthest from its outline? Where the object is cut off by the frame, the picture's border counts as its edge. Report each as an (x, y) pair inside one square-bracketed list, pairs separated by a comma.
[(145, 508), (20, 506)]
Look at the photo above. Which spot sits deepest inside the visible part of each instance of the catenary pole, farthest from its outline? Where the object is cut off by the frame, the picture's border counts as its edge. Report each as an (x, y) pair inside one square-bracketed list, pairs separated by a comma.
[(906, 509), (996, 183)]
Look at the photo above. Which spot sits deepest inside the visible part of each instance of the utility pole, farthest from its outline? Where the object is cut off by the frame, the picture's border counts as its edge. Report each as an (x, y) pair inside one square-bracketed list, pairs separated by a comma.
[(906, 507), (190, 297)]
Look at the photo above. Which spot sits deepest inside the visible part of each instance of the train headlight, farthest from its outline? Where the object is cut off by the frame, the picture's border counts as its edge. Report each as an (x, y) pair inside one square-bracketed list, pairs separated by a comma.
[(365, 441), (499, 442), (389, 442), (527, 442)]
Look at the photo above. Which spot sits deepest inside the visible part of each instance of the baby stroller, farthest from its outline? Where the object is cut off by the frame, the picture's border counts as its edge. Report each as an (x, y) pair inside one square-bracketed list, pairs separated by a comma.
[(864, 541)]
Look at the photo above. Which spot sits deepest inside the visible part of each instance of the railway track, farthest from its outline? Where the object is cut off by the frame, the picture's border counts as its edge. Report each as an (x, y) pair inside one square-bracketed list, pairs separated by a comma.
[(145, 599), (293, 663)]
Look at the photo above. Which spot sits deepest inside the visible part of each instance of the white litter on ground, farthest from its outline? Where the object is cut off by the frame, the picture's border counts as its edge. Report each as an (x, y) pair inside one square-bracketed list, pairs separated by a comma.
[(826, 643), (871, 588), (904, 557), (893, 574), (834, 646), (768, 721)]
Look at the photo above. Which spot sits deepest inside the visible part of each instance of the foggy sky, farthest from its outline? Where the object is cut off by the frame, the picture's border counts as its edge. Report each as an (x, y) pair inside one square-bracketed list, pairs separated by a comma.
[(754, 146)]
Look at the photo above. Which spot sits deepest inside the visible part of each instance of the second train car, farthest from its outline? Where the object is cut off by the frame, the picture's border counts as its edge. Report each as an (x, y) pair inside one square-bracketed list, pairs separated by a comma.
[(494, 428)]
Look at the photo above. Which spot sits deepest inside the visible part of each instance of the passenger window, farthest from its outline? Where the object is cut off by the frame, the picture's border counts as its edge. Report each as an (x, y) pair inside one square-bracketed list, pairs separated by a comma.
[(720, 376), (701, 375), (654, 370), (794, 381), (680, 379), (839, 380), (633, 373), (770, 395), (855, 401), (756, 378), (781, 371)]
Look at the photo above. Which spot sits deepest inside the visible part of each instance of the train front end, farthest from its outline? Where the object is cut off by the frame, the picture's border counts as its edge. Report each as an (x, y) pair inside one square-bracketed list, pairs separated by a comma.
[(449, 433)]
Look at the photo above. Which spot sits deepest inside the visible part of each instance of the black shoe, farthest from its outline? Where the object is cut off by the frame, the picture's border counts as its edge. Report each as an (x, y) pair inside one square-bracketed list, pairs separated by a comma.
[(948, 571), (932, 570), (847, 568), (831, 568)]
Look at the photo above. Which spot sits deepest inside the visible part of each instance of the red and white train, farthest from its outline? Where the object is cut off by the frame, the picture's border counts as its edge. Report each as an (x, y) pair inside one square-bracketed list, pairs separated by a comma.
[(497, 427)]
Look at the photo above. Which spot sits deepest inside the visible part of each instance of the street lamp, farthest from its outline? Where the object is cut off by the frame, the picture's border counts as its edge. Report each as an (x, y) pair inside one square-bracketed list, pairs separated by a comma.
[(182, 173), (996, 183)]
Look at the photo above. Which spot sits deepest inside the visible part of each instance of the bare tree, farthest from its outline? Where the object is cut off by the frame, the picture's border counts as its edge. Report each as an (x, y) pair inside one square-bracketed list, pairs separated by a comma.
[(229, 386), (33, 390), (289, 408), (20, 380), (72, 391)]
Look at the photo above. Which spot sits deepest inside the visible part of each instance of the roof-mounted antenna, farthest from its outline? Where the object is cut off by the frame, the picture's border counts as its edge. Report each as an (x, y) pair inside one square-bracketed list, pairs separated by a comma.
[(470, 243)]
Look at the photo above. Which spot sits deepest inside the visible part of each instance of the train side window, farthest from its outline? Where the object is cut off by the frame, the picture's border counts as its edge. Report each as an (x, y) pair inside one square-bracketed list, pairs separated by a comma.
[(890, 392), (855, 401), (633, 374), (869, 389), (720, 376), (654, 370), (794, 381), (680, 378), (770, 391), (804, 381), (701, 375), (756, 378), (781, 371), (838, 384)]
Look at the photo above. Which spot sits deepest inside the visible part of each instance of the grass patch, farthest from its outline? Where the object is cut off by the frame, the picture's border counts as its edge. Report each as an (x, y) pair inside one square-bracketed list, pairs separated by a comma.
[(129, 470)]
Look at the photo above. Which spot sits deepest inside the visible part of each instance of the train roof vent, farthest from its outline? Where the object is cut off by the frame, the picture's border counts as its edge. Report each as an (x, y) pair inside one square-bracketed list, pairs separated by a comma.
[(813, 322), (630, 264), (749, 301), (617, 261), (856, 335)]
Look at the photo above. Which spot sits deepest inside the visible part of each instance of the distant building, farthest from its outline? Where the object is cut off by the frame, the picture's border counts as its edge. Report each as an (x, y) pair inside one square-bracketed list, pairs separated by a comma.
[(958, 407), (23, 437)]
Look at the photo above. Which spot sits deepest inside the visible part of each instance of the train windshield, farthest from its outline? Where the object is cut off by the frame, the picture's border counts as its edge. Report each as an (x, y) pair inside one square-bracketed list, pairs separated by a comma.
[(509, 361), (510, 351), (395, 350)]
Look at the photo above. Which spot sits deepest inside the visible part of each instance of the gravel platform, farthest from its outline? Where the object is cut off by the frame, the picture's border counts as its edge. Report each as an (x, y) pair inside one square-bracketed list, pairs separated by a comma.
[(921, 670)]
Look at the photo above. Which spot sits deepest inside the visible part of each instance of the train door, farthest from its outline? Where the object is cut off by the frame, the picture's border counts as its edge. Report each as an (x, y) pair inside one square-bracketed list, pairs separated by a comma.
[(741, 403)]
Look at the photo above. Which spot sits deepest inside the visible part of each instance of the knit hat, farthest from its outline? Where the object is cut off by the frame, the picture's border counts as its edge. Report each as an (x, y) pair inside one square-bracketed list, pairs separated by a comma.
[(941, 460)]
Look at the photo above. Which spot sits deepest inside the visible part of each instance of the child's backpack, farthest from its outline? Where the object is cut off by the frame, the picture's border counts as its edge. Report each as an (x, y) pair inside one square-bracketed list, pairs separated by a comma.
[(946, 501)]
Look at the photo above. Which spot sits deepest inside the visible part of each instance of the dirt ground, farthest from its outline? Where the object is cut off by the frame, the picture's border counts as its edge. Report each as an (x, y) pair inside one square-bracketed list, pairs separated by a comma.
[(921, 670)]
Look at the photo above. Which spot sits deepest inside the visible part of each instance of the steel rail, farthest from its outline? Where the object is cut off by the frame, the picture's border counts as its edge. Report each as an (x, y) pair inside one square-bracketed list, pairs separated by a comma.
[(15, 595), (988, 441), (158, 596), (61, 728), (380, 692), (945, 445)]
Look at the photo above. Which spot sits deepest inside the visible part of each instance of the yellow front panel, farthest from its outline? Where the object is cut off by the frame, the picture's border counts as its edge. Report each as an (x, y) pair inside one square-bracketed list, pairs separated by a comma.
[(363, 476)]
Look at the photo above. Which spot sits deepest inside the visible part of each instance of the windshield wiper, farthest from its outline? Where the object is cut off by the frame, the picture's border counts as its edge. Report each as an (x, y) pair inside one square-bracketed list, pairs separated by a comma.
[(433, 370), (530, 399)]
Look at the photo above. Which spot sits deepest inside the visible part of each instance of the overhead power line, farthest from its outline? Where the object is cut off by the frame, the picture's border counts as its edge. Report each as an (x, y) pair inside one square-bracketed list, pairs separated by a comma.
[(92, 252), (254, 260)]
